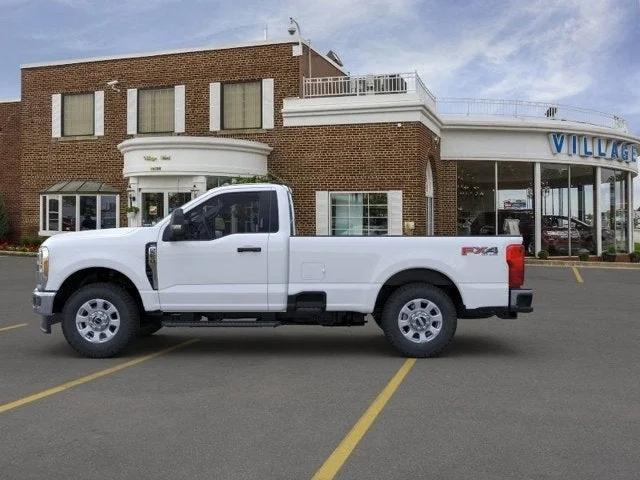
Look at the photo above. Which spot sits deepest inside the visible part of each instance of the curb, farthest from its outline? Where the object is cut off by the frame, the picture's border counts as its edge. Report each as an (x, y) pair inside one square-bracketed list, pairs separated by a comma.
[(11, 253), (577, 263)]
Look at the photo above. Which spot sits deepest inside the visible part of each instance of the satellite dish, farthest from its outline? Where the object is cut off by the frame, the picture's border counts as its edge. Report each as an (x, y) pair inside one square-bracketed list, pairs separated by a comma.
[(334, 56)]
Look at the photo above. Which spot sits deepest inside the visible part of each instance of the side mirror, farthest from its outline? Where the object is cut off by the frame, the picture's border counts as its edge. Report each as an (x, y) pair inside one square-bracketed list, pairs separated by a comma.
[(177, 228)]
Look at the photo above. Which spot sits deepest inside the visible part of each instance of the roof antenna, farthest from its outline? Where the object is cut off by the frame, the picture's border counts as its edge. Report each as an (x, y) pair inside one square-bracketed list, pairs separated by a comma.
[(266, 32)]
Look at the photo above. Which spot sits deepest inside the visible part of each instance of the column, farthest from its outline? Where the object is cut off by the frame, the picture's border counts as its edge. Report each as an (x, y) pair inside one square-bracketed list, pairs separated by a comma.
[(537, 203), (598, 212)]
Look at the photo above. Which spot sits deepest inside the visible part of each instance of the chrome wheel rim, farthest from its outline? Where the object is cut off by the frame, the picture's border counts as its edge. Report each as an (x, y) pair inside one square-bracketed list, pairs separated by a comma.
[(97, 320), (420, 320)]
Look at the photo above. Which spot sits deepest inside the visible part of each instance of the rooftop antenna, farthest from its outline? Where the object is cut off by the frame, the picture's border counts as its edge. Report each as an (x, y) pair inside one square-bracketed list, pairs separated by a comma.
[(266, 32)]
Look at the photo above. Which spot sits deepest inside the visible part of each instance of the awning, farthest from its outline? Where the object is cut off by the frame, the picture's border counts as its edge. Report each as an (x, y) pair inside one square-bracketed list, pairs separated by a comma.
[(76, 187)]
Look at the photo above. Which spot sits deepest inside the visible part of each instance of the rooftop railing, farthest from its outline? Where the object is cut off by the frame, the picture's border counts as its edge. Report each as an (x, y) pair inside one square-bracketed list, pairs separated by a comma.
[(356, 85), (399, 83), (479, 107)]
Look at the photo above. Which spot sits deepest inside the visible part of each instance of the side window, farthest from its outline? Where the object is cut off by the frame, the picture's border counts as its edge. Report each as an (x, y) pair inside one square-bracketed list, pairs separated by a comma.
[(229, 213)]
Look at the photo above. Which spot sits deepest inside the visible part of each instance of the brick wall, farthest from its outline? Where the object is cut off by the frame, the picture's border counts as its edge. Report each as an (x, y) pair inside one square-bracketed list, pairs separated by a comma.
[(45, 161), (381, 156), (9, 162), (342, 157), (445, 181)]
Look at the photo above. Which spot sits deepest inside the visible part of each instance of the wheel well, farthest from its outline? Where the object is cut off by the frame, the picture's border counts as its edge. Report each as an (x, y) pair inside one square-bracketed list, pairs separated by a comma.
[(418, 275), (94, 275)]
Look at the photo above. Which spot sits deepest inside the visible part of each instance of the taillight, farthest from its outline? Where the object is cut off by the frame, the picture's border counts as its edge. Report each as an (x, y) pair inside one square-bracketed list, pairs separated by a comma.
[(515, 260)]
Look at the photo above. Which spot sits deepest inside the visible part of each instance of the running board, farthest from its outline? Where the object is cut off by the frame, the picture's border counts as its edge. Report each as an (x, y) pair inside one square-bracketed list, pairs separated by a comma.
[(223, 323)]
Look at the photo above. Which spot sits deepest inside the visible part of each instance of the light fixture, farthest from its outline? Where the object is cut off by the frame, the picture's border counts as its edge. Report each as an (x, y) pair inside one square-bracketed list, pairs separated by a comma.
[(131, 192), (194, 191), (294, 27)]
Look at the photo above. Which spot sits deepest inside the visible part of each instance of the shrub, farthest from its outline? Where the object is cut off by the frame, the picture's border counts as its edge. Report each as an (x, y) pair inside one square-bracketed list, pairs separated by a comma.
[(610, 255), (583, 254), (543, 254), (31, 241), (268, 178), (634, 257), (4, 220)]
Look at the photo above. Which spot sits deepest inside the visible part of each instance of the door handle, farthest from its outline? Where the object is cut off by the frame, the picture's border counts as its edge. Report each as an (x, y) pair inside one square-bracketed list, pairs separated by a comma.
[(249, 249)]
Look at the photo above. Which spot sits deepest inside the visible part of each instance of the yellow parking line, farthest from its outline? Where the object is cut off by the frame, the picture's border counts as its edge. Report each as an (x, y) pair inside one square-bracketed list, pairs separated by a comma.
[(11, 327), (79, 381), (577, 275), (334, 463)]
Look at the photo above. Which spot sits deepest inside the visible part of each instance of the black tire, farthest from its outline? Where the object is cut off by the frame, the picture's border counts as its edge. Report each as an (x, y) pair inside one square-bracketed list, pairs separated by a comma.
[(149, 327), (393, 332), (127, 310)]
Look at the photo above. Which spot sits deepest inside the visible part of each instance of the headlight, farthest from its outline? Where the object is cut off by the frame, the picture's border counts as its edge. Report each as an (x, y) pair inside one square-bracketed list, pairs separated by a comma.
[(43, 265)]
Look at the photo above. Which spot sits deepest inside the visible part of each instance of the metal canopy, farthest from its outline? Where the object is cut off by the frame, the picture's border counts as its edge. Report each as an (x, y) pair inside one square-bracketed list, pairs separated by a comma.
[(80, 187)]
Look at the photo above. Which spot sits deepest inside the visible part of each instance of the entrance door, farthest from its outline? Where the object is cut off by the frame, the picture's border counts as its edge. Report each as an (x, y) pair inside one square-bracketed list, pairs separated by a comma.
[(221, 265)]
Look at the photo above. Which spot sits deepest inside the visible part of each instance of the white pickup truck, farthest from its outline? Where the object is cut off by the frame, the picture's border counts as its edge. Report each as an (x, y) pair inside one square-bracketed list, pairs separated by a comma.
[(231, 258)]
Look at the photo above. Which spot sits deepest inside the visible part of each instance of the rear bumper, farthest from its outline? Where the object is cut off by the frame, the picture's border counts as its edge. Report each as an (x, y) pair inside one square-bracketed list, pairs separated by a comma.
[(520, 301), (42, 303)]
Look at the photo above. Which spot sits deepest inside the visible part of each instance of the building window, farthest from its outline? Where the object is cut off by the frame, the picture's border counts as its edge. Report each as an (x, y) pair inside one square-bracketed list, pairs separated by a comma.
[(241, 105), (157, 205), (75, 212), (359, 214), (78, 114), (218, 181), (156, 110)]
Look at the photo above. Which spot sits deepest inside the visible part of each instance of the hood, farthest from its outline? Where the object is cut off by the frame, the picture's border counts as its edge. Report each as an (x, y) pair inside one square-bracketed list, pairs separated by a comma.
[(93, 237)]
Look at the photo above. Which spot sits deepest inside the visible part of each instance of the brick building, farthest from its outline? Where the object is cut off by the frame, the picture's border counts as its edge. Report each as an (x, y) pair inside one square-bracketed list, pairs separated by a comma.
[(364, 155)]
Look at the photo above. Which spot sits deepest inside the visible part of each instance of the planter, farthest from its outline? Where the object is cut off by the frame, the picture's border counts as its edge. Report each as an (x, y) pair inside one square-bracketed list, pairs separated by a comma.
[(609, 257), (131, 216), (634, 257)]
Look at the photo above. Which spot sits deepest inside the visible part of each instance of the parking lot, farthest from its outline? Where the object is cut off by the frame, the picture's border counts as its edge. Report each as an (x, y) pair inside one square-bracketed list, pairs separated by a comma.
[(554, 394)]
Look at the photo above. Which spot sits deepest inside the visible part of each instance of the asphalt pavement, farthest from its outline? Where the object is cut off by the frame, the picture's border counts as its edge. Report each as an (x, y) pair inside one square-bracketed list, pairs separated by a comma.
[(553, 394)]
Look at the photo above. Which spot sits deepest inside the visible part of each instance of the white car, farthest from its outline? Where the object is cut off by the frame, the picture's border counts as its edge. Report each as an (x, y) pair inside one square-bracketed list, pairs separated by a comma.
[(230, 258)]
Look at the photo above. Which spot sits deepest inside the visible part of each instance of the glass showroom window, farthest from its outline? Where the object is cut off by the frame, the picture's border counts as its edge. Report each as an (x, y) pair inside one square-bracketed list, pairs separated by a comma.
[(78, 114), (515, 202), (554, 181), (568, 209), (241, 105), (614, 191), (71, 213), (156, 110), (582, 209), (476, 198), (359, 214)]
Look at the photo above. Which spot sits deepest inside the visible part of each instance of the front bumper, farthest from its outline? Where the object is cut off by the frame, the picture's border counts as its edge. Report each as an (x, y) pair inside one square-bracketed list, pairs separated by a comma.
[(43, 305)]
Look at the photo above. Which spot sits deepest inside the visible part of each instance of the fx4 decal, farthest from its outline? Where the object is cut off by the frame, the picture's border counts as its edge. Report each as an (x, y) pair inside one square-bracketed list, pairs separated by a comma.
[(479, 250)]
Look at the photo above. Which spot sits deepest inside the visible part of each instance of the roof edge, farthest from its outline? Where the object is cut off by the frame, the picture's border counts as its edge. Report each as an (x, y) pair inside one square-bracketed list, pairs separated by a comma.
[(175, 52), (10, 100)]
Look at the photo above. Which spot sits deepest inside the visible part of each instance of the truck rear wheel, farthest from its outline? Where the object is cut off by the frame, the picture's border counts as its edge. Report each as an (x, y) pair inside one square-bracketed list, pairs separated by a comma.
[(419, 320), (100, 320)]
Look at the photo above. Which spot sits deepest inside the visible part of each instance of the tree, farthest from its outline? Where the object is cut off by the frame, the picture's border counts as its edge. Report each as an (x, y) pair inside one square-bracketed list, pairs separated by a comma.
[(4, 220)]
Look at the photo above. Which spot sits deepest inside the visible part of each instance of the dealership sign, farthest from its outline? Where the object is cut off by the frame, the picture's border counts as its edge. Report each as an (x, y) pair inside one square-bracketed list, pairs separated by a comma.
[(590, 146)]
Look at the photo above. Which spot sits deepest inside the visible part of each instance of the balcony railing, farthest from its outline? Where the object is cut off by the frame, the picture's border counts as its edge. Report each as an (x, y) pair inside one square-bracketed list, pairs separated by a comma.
[(356, 85), (399, 83), (525, 109)]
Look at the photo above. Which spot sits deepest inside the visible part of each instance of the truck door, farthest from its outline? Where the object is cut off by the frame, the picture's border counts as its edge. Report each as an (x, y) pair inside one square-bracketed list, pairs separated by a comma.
[(221, 264)]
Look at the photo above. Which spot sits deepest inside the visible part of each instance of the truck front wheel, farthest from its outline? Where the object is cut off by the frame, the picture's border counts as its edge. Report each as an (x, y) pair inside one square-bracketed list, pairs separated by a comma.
[(100, 320), (419, 320)]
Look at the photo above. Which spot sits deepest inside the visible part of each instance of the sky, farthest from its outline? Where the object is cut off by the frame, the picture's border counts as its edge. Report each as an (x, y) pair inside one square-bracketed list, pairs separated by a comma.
[(578, 52)]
